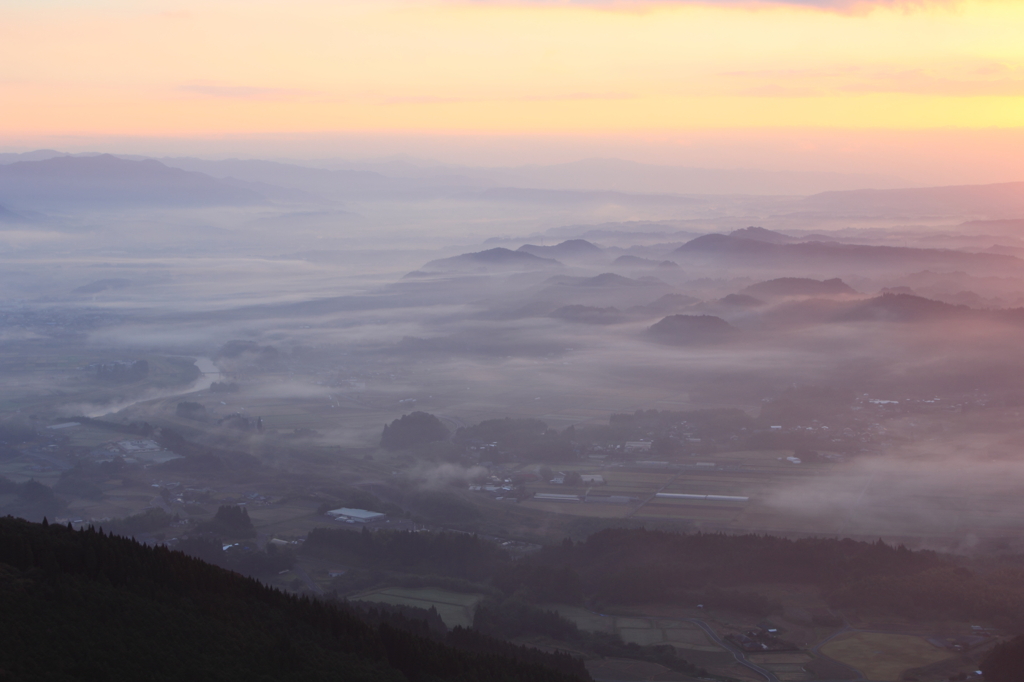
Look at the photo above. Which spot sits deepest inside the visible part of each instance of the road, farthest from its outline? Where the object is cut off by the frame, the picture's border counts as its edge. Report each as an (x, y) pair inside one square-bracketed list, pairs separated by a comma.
[(301, 572), (736, 652), (454, 421)]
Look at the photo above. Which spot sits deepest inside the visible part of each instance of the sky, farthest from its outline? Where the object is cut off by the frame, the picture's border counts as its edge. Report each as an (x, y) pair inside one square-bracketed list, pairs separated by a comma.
[(785, 85)]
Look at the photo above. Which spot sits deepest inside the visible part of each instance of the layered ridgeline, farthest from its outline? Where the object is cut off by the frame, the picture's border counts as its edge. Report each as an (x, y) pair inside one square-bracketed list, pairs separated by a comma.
[(82, 605)]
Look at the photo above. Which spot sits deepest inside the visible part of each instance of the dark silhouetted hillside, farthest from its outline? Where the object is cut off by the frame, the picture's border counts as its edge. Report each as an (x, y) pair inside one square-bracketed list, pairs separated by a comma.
[(762, 235), (905, 308), (1005, 663), (410, 430), (589, 314), (692, 329), (82, 605), (493, 258), (667, 304), (740, 301), (800, 286), (638, 262), (573, 248), (606, 279)]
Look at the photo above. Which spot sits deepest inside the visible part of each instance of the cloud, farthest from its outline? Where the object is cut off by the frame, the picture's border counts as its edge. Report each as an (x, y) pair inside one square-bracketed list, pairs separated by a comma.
[(957, 80), (241, 92), (842, 5)]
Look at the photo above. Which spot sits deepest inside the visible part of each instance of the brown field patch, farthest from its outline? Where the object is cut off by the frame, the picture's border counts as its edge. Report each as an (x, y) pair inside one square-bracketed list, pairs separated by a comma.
[(882, 657)]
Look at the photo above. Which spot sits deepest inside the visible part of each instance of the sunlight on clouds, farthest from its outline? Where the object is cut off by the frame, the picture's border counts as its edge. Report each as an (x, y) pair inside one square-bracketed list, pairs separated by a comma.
[(533, 66)]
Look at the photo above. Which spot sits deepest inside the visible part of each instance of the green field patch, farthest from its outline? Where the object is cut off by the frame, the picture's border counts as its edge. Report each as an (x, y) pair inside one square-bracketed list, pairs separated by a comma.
[(641, 636), (455, 608), (674, 624), (690, 639), (584, 619), (882, 657), (632, 622)]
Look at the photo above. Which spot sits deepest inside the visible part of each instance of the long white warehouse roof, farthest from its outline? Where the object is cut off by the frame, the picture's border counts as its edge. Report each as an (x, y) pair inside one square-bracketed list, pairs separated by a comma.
[(709, 498), (360, 514)]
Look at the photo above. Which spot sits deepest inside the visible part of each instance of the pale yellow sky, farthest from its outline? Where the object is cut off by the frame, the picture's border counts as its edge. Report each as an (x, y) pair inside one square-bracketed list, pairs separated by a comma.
[(259, 67)]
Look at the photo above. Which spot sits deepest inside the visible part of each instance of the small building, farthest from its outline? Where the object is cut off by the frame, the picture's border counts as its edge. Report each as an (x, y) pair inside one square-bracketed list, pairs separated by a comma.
[(355, 515)]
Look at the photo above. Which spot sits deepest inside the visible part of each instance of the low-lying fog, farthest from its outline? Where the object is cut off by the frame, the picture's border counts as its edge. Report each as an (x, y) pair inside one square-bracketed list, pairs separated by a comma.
[(478, 302)]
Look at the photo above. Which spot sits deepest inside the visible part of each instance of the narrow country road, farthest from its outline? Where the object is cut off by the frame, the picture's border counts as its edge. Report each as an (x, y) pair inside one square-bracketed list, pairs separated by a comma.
[(736, 652)]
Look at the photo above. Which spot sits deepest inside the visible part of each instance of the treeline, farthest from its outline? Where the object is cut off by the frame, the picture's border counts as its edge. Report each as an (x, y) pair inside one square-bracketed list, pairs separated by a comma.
[(411, 430), (636, 565), (712, 423), (527, 440), (630, 566), (446, 553), (655, 559), (514, 617), (90, 606), (123, 372), (633, 566), (230, 521), (1005, 663), (30, 498), (428, 624), (950, 592)]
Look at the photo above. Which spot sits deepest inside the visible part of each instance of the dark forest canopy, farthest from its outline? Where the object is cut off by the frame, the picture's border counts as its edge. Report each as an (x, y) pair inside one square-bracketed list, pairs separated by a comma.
[(410, 430), (123, 372), (692, 329), (82, 605), (632, 566), (1006, 662)]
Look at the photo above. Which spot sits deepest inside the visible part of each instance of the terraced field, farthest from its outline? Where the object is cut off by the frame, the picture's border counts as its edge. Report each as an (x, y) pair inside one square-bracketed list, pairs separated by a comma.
[(455, 608)]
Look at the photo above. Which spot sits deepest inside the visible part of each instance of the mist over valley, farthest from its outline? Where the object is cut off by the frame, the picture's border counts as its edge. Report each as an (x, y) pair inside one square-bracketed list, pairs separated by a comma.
[(251, 360)]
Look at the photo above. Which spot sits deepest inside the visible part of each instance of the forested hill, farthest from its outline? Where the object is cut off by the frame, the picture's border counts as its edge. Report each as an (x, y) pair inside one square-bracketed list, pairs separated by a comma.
[(82, 605)]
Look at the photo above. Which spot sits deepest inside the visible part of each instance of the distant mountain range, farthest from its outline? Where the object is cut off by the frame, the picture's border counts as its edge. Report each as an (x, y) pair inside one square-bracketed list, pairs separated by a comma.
[(570, 179), (606, 279), (638, 262), (573, 248), (48, 176), (586, 175), (692, 330), (800, 286), (1003, 200), (498, 258), (812, 254), (105, 180)]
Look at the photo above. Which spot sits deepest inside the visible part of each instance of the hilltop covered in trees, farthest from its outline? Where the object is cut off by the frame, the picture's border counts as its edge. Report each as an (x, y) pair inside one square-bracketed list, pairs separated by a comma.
[(82, 605), (410, 430)]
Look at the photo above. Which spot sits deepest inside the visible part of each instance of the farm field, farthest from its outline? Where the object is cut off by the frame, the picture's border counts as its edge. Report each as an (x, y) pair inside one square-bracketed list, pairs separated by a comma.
[(640, 629), (788, 667), (455, 608), (882, 657), (616, 669)]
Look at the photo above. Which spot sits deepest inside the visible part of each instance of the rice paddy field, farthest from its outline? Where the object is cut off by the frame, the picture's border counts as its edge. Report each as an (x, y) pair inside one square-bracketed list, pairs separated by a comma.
[(642, 630), (882, 657), (787, 666)]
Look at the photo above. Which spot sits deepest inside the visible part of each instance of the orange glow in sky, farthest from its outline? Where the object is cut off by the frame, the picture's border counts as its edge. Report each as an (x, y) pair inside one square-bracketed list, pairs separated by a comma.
[(120, 67)]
